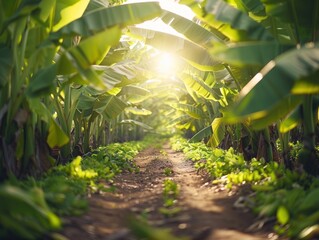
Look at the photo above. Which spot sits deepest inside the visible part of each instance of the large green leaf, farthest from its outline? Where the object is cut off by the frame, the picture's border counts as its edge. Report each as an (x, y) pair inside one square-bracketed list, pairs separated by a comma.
[(42, 82), (293, 11), (122, 15), (135, 94), (109, 106), (191, 30), (193, 111), (67, 11), (275, 83), (256, 53), (56, 136), (278, 111), (237, 19), (291, 121), (84, 55), (203, 133), (218, 128), (200, 87), (194, 54)]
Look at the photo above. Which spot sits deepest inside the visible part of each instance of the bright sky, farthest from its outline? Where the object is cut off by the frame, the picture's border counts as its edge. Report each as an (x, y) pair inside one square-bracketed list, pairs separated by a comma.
[(171, 6), (166, 64)]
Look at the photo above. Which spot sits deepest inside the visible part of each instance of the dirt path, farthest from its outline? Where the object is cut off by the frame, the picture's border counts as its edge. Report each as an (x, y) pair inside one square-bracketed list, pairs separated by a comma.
[(205, 212)]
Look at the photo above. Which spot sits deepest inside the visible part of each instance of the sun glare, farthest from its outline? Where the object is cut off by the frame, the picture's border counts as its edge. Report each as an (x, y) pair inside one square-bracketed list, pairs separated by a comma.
[(166, 64)]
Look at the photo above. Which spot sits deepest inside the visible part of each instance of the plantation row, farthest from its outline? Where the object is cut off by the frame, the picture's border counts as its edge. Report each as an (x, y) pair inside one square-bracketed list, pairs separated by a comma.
[(287, 198), (79, 74), (33, 208), (76, 74)]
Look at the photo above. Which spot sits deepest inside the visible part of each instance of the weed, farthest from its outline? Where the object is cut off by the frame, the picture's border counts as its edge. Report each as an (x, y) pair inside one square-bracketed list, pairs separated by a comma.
[(168, 172)]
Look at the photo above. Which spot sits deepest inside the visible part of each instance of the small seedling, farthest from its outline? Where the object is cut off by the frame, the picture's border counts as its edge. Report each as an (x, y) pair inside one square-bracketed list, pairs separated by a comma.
[(168, 172)]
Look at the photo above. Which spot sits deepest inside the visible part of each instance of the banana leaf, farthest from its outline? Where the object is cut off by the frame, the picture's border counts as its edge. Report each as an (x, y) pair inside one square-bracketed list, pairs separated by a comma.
[(203, 133), (121, 15), (275, 83)]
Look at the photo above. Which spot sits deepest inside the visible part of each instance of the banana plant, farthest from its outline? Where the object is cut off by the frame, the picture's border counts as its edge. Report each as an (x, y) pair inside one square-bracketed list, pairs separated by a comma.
[(280, 38), (36, 50)]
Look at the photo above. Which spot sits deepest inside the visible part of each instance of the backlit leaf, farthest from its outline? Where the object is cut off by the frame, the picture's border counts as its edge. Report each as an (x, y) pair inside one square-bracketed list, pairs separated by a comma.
[(283, 215), (56, 137)]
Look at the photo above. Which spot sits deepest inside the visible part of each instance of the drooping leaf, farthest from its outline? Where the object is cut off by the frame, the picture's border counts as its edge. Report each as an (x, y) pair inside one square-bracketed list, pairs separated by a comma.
[(192, 111), (256, 53), (200, 87), (109, 106), (237, 19), (291, 121), (205, 132), (100, 19), (56, 137), (135, 94), (191, 30), (84, 55), (46, 8), (275, 83), (218, 129), (67, 11), (279, 111), (194, 54)]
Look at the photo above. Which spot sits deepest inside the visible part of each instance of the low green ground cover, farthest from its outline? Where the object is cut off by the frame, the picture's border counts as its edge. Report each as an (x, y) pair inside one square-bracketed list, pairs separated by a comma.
[(31, 209), (170, 195), (289, 197)]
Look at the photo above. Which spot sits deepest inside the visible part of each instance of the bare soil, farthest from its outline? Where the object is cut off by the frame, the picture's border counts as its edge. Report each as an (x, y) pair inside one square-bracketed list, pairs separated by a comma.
[(207, 212)]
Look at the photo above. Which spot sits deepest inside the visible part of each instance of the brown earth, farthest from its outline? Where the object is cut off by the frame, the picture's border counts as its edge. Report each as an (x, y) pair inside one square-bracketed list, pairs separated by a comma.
[(206, 212)]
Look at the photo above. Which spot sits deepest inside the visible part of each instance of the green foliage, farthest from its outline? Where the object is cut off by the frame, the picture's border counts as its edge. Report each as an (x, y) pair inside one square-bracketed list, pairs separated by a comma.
[(290, 197), (29, 207), (25, 213), (170, 194), (168, 172)]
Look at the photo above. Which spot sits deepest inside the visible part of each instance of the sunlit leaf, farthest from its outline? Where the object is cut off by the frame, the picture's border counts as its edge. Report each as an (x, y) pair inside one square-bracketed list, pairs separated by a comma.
[(205, 132), (283, 215), (56, 137), (274, 83), (200, 87), (84, 55), (291, 121), (218, 129), (100, 19), (237, 20), (195, 55), (68, 11), (109, 106), (193, 111), (138, 111), (256, 53), (191, 30)]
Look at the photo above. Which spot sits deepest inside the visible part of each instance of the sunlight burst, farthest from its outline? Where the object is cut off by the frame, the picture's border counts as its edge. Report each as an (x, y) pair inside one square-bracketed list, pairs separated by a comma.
[(166, 64)]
